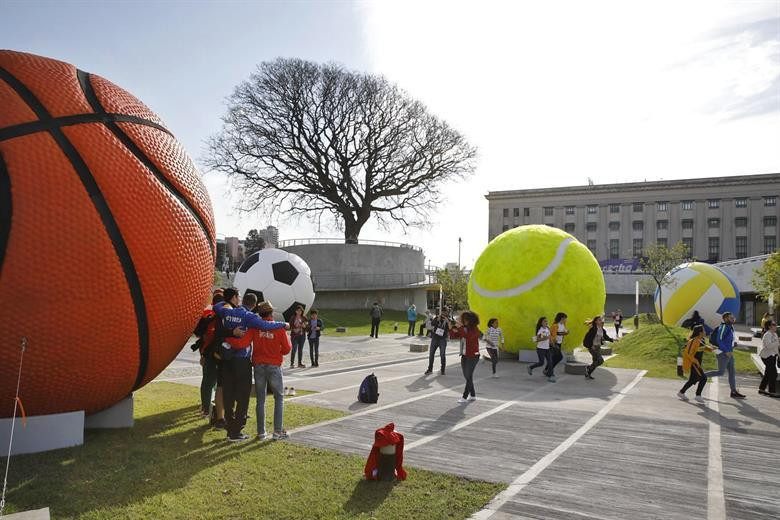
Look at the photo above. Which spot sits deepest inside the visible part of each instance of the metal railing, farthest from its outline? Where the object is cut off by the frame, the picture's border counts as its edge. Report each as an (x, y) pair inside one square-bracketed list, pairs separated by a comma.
[(335, 281), (308, 241)]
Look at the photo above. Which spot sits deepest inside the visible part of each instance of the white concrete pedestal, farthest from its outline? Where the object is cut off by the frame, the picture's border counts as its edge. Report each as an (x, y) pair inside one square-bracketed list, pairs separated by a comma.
[(37, 514), (118, 416)]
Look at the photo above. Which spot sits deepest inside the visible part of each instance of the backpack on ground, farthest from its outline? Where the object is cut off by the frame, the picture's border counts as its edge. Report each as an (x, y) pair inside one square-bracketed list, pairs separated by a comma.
[(369, 390), (714, 336)]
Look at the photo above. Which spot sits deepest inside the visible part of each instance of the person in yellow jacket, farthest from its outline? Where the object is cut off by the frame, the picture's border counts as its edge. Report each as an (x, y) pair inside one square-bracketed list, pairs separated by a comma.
[(693, 352)]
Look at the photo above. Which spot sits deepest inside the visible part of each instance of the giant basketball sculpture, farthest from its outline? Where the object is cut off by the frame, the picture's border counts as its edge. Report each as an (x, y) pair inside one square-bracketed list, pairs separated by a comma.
[(106, 239)]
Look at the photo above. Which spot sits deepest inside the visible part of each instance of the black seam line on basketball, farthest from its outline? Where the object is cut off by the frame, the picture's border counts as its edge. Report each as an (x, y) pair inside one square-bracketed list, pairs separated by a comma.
[(6, 210), (106, 217), (89, 93), (22, 129)]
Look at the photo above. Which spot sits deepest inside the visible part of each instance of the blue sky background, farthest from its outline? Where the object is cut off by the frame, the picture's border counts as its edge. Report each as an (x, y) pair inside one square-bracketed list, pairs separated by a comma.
[(550, 92)]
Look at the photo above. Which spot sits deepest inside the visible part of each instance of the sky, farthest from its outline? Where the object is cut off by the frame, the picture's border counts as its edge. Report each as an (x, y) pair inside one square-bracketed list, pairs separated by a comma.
[(551, 93)]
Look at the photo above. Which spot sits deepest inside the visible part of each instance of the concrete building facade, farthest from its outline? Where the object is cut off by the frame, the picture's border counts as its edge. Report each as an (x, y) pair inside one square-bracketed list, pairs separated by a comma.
[(270, 236), (719, 218)]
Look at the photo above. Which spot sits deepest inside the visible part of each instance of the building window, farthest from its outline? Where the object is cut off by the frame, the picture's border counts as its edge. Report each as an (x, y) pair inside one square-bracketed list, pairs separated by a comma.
[(770, 221), (740, 222), (593, 209), (662, 206), (516, 212), (637, 248), (548, 212), (614, 248), (770, 244), (687, 205), (662, 242), (569, 227), (638, 207), (688, 243), (505, 227), (662, 224), (590, 226), (570, 210), (713, 250), (614, 208), (614, 226), (713, 203), (526, 212), (740, 246), (638, 225), (770, 201), (687, 223), (740, 203), (506, 212), (592, 246), (713, 223)]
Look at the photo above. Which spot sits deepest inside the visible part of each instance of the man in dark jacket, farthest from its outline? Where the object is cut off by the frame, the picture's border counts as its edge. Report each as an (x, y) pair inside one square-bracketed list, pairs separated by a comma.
[(376, 317), (594, 338), (440, 327)]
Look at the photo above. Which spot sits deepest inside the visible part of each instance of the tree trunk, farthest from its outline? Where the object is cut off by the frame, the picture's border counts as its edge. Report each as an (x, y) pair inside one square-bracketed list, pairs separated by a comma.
[(351, 231), (660, 303)]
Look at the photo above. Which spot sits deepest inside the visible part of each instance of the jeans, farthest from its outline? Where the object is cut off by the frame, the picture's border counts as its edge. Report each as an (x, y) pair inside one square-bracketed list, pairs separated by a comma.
[(297, 346), (374, 327), (438, 342), (770, 374), (697, 375), (422, 326), (209, 381), (493, 353), (725, 364), (236, 386), (598, 360), (468, 364), (263, 375), (411, 328), (545, 356), (556, 356), (314, 350)]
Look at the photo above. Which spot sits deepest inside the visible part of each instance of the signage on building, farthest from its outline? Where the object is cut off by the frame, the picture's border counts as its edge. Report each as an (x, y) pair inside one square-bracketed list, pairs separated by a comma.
[(620, 265)]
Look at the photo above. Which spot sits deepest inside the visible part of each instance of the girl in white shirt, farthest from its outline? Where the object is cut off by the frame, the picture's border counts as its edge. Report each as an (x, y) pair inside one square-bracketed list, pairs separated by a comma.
[(494, 337), (769, 353), (557, 334), (542, 339)]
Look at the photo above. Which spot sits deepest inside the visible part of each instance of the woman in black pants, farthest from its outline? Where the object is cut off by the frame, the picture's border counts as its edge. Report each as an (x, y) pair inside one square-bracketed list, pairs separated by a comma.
[(594, 338), (692, 359), (769, 355)]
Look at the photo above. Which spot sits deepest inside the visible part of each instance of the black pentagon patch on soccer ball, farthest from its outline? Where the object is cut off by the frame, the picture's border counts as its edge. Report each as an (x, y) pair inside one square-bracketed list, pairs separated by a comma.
[(258, 293), (290, 312), (284, 272), (249, 262)]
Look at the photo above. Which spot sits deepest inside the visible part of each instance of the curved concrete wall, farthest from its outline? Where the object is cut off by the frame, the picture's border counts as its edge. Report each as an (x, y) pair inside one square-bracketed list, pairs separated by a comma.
[(359, 259)]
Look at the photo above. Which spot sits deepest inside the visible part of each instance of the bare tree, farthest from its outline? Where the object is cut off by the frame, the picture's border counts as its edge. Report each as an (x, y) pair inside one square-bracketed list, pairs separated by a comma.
[(317, 140)]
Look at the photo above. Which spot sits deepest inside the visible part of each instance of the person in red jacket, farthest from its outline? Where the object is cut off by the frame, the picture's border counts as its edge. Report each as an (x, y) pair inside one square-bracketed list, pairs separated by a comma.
[(268, 350), (466, 328)]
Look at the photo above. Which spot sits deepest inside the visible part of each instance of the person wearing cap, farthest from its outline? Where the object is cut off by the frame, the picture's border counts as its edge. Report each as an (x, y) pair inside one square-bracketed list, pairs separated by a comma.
[(268, 350)]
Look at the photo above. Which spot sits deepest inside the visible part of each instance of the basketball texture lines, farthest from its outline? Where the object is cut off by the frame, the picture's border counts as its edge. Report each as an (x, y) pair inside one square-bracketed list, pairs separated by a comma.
[(107, 238)]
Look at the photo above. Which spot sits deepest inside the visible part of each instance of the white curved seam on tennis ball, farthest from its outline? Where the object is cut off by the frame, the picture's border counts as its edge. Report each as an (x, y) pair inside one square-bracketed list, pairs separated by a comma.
[(533, 282)]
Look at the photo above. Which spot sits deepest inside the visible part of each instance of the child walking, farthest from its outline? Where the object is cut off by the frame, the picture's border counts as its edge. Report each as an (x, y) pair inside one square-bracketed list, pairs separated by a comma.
[(692, 361), (495, 340), (542, 339), (466, 328), (557, 332)]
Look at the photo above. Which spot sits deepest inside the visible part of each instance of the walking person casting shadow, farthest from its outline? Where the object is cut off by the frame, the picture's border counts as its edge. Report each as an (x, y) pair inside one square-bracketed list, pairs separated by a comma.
[(466, 328)]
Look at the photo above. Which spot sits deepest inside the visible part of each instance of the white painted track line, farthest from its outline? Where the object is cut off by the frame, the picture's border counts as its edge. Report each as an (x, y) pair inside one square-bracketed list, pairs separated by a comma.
[(716, 501)]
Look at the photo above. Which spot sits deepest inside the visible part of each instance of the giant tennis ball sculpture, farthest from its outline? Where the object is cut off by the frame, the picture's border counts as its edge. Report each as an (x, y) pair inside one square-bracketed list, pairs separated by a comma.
[(106, 239), (533, 271), (696, 286)]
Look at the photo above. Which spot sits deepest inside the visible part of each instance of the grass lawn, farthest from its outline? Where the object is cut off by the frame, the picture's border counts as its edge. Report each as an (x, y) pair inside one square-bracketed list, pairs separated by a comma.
[(652, 348), (170, 465), (358, 322)]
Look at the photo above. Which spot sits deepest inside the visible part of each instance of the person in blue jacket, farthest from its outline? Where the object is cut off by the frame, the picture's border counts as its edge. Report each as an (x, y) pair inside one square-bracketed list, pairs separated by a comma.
[(725, 352), (411, 317), (236, 364)]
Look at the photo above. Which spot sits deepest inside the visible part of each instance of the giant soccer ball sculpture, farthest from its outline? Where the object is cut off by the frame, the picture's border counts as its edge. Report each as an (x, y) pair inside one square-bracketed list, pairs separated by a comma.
[(106, 239), (699, 287), (279, 277), (533, 271)]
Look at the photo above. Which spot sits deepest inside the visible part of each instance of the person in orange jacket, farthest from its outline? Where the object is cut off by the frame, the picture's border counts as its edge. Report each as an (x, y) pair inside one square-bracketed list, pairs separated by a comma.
[(268, 350)]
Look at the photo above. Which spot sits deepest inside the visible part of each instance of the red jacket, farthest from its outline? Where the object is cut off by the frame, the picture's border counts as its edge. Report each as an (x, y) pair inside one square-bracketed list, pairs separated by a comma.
[(211, 329), (471, 335), (386, 436), (269, 346)]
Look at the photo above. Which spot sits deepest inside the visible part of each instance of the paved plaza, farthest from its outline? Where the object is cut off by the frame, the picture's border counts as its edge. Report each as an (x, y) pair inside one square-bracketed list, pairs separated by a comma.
[(619, 447)]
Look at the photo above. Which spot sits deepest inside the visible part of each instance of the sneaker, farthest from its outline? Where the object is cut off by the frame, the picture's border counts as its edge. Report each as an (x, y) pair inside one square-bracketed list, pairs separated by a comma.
[(286, 391), (441, 371), (219, 424), (530, 370), (462, 400), (763, 392), (280, 436), (241, 437), (292, 391), (261, 436), (472, 398), (587, 374), (737, 395), (682, 396), (429, 371), (551, 379), (301, 365), (698, 399), (495, 376)]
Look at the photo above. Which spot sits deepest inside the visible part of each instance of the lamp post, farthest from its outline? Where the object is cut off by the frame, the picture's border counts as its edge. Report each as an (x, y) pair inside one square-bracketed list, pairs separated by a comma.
[(460, 241)]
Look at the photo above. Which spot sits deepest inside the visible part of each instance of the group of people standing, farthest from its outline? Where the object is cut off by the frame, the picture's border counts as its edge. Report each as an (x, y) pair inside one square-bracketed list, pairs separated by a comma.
[(301, 329)]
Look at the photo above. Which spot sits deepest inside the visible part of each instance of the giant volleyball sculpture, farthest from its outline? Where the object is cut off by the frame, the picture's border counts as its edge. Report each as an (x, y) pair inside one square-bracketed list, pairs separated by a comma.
[(696, 286), (106, 239), (533, 271), (279, 277)]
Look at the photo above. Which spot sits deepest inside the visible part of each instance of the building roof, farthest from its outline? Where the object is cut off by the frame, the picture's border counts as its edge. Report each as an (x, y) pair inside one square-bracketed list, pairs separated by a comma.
[(737, 180)]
